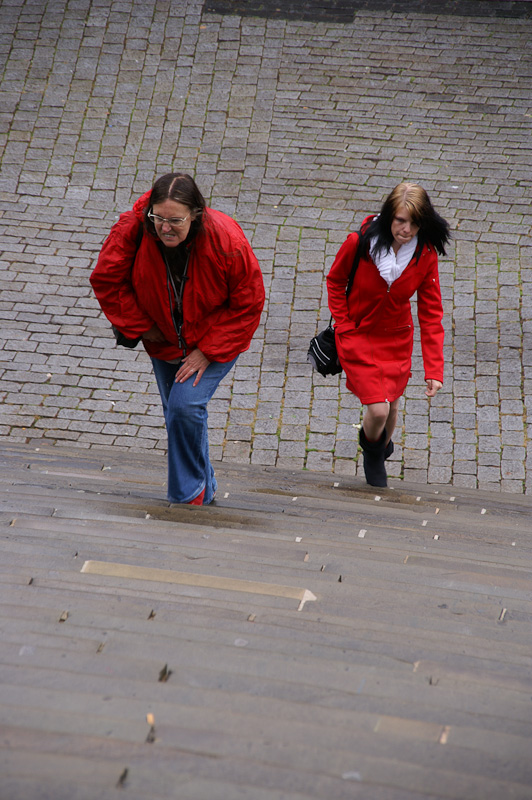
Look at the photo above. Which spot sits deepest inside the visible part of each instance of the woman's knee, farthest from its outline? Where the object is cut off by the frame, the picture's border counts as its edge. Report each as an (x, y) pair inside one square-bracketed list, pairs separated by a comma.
[(377, 414), (185, 407)]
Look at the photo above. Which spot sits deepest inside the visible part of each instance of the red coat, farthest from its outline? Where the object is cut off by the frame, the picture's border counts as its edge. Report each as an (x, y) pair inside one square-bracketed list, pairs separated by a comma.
[(222, 299), (374, 326)]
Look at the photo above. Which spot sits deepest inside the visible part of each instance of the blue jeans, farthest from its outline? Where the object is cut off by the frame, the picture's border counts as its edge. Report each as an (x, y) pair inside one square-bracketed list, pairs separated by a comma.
[(185, 414)]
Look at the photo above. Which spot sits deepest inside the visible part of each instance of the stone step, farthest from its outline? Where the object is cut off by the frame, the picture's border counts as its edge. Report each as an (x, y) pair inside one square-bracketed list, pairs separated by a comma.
[(406, 672)]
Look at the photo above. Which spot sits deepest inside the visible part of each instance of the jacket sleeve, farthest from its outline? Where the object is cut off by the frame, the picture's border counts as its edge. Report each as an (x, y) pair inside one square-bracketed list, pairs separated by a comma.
[(430, 314), (337, 282), (111, 279), (230, 327)]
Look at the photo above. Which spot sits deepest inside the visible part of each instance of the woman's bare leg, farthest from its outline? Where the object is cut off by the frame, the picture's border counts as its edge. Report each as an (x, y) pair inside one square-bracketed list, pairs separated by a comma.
[(374, 420), (379, 416), (391, 421)]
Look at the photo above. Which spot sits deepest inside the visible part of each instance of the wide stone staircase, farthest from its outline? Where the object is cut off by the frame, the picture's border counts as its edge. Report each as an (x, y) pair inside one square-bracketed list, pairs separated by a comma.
[(303, 637)]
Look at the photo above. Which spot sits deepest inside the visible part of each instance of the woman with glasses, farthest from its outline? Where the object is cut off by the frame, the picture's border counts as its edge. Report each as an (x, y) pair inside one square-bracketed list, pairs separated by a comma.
[(374, 330), (183, 278)]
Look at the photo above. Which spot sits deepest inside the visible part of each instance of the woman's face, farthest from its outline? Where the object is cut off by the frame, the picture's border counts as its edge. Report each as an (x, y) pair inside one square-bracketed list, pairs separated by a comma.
[(403, 229), (176, 220)]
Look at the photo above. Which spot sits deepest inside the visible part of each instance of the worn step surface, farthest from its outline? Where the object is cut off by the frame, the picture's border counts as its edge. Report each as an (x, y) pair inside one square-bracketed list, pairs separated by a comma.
[(303, 637)]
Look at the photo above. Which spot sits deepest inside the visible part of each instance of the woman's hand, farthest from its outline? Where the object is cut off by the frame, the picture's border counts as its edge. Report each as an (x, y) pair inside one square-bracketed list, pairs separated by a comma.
[(194, 362), (154, 335), (432, 387)]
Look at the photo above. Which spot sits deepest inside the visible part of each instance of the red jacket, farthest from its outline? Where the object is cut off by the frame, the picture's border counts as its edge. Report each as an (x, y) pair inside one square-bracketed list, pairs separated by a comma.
[(378, 310), (222, 299)]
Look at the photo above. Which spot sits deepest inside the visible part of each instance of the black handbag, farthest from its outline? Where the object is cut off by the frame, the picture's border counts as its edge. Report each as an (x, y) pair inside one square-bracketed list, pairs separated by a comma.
[(121, 339), (322, 352)]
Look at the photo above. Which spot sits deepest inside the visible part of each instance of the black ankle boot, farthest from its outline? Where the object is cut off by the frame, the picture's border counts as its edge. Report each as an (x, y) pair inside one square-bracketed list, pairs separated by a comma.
[(373, 452)]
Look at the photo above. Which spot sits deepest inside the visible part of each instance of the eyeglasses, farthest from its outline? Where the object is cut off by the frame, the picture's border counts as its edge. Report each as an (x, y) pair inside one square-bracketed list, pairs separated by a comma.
[(174, 222)]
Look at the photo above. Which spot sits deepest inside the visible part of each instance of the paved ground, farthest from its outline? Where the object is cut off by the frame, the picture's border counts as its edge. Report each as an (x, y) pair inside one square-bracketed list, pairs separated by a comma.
[(298, 127)]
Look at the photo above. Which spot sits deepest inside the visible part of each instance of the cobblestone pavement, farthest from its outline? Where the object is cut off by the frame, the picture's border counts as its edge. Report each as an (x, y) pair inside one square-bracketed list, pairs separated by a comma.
[(298, 128)]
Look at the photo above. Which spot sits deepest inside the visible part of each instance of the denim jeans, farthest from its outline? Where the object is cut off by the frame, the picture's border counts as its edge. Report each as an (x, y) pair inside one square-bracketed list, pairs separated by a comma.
[(185, 414)]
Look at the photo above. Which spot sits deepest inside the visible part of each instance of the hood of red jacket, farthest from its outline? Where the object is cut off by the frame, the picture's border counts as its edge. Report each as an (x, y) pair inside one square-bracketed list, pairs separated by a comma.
[(140, 204)]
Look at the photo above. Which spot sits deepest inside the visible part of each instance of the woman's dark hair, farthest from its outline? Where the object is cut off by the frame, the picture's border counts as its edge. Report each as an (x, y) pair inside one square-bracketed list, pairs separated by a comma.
[(183, 189), (433, 229)]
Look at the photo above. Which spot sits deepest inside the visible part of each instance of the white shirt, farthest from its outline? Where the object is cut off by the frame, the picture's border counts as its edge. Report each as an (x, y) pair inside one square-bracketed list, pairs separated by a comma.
[(390, 265)]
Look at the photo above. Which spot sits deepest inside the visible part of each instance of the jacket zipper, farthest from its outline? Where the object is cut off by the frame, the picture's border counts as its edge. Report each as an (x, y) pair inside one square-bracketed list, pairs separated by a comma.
[(179, 298)]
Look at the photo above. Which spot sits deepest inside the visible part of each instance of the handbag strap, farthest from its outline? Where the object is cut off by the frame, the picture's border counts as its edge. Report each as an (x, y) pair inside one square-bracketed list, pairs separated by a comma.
[(354, 267), (353, 271)]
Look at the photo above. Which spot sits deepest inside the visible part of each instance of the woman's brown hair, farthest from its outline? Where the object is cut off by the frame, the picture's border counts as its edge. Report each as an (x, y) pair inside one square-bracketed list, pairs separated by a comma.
[(181, 188), (433, 229)]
